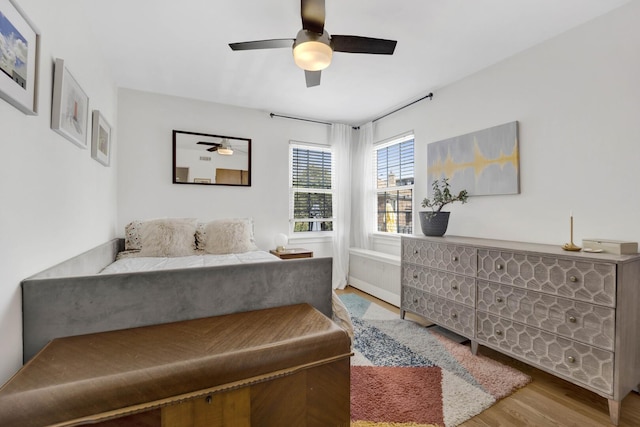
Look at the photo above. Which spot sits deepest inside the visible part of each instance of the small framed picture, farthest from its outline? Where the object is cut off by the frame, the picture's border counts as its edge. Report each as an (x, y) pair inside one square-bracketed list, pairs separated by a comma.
[(70, 108), (19, 58), (100, 139)]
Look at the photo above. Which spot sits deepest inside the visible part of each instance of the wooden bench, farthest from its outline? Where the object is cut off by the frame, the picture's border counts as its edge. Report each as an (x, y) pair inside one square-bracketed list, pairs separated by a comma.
[(274, 367)]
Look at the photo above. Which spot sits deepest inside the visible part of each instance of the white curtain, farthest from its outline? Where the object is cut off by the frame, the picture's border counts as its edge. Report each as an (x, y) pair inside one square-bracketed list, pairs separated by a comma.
[(341, 143), (362, 200)]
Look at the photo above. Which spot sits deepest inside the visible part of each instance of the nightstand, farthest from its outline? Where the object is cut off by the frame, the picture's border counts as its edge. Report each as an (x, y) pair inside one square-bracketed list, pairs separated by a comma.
[(292, 253)]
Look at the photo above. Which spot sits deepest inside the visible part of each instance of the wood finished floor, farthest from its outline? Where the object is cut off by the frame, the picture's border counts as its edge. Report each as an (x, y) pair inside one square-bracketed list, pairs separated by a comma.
[(546, 402)]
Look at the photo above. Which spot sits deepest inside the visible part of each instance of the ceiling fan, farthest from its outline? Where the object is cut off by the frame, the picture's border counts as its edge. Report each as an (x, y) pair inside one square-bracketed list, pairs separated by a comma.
[(221, 147), (313, 47)]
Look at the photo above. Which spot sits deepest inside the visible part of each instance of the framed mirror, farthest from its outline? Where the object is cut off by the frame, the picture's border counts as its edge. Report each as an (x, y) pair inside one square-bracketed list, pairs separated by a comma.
[(205, 159)]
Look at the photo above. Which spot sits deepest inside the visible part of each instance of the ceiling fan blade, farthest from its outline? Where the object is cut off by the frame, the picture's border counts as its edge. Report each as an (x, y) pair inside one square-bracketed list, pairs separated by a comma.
[(214, 145), (312, 77), (357, 44), (313, 14), (263, 44)]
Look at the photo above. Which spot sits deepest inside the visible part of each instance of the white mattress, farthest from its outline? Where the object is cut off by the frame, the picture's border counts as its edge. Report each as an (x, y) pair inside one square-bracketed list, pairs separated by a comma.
[(136, 264)]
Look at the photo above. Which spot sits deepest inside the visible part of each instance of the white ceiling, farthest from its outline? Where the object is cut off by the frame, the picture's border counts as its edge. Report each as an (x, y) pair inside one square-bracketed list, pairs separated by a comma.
[(181, 48)]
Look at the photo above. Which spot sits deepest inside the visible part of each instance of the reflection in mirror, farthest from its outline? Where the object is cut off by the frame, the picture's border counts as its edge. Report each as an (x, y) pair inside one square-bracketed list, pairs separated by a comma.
[(200, 158)]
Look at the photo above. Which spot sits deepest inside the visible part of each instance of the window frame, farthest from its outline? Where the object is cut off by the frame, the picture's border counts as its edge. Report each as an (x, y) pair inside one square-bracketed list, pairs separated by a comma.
[(293, 190), (408, 136)]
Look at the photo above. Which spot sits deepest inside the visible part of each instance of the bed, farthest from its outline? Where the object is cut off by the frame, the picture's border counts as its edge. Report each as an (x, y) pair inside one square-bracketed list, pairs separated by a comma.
[(168, 270)]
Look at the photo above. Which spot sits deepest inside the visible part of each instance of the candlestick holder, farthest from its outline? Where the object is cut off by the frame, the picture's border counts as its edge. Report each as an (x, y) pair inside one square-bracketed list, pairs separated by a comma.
[(571, 246)]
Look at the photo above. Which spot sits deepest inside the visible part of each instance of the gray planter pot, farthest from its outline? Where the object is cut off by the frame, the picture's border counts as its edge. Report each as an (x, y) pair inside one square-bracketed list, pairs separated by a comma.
[(434, 223)]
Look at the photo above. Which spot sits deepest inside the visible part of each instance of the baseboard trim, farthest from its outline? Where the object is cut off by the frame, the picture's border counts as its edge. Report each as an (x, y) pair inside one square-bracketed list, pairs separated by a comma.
[(382, 294)]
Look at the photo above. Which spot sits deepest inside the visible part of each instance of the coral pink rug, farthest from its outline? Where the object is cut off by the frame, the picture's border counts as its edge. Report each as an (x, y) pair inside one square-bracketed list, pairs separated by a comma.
[(404, 375)]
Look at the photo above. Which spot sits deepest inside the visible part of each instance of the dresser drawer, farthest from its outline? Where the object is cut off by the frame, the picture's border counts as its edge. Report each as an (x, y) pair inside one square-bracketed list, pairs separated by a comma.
[(451, 286), (583, 363), (450, 314), (580, 321), (453, 258), (576, 279)]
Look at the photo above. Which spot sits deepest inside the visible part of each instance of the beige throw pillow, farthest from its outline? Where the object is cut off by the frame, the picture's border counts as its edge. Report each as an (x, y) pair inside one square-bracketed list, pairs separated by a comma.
[(168, 237), (229, 236)]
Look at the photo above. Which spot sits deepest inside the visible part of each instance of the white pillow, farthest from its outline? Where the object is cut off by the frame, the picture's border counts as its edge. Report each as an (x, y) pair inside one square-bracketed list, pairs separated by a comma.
[(168, 237), (228, 236)]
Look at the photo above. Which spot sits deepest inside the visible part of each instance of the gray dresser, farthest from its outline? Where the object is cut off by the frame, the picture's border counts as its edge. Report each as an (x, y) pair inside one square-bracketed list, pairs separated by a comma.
[(572, 314)]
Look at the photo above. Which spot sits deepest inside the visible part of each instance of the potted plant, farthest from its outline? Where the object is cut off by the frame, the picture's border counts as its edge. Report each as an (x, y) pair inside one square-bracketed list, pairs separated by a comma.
[(435, 223)]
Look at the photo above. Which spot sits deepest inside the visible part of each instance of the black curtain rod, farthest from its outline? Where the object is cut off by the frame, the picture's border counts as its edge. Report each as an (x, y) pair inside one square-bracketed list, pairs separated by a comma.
[(430, 96), (272, 115)]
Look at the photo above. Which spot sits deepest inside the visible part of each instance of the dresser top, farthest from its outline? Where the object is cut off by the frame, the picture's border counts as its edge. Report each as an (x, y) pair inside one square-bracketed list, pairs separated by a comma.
[(537, 248)]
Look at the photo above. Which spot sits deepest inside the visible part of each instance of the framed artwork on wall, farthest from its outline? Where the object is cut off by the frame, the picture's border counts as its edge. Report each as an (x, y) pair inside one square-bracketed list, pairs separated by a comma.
[(485, 162), (100, 139), (70, 107), (19, 58)]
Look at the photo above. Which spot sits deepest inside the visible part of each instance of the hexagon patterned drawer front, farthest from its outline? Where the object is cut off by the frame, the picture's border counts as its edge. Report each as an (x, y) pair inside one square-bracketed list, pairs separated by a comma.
[(586, 364), (449, 314), (447, 285), (570, 313), (571, 278), (454, 258), (587, 323)]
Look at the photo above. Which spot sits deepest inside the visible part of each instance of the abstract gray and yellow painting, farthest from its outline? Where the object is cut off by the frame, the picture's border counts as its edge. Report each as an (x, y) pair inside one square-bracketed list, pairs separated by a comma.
[(484, 162)]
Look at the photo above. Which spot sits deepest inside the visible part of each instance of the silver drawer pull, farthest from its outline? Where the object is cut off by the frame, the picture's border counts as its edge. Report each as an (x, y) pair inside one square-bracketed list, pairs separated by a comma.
[(499, 266), (499, 333), (416, 252), (415, 275), (573, 278), (455, 258), (571, 359), (415, 300), (454, 287), (499, 299), (454, 315), (572, 319)]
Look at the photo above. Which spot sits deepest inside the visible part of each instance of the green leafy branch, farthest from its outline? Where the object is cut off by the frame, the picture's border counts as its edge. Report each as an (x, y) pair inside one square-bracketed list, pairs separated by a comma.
[(442, 196)]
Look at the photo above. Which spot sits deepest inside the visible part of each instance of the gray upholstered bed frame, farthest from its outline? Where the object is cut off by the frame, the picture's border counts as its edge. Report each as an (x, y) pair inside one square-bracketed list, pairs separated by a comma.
[(72, 299)]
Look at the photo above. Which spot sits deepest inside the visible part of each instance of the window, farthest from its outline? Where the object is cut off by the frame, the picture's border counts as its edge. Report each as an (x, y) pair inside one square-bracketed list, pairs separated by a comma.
[(394, 166), (311, 188)]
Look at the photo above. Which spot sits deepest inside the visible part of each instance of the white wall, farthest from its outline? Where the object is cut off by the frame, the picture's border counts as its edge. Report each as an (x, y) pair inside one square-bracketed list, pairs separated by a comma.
[(56, 200), (577, 100), (145, 188)]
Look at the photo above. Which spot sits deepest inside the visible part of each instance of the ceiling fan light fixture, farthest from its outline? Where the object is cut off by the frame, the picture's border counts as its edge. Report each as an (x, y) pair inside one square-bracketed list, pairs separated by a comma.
[(312, 56), (312, 51), (224, 149)]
